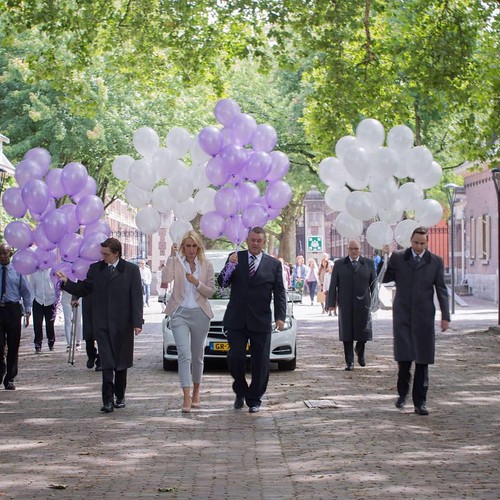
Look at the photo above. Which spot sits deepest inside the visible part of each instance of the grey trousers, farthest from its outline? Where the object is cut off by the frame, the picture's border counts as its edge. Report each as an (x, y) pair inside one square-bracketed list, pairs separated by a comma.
[(190, 329)]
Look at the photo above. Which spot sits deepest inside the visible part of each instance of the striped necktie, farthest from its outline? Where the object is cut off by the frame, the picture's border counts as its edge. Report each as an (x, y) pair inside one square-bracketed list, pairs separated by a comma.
[(251, 266)]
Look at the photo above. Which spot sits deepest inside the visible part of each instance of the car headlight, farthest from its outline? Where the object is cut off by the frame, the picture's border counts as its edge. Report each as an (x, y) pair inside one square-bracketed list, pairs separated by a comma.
[(288, 325)]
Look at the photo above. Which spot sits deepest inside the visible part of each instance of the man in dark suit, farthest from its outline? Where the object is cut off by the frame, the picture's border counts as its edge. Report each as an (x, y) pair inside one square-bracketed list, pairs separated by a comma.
[(14, 288), (115, 292), (351, 288), (255, 278), (417, 273)]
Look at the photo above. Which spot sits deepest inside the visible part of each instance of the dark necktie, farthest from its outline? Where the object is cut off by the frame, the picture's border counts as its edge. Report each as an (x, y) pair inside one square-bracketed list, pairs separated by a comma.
[(4, 281), (251, 266), (111, 270), (355, 264), (417, 258)]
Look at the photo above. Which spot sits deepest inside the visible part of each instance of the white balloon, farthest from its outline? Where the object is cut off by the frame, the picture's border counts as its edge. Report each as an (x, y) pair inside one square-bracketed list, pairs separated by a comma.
[(400, 138), (392, 214), (198, 156), (354, 183), (418, 160), (148, 220), (178, 229), (335, 198), (356, 162), (142, 174), (384, 191), (378, 234), (348, 226), (343, 144), (121, 166), (431, 177), (199, 176), (186, 210), (204, 200), (332, 172), (146, 141), (370, 133), (410, 194), (181, 185), (136, 197), (179, 141), (360, 204), (164, 163), (428, 212), (384, 162), (403, 232), (162, 200)]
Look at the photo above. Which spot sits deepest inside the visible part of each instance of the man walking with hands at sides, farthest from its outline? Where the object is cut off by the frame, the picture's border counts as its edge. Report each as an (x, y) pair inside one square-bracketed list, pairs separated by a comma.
[(351, 288), (114, 289), (255, 278), (14, 288), (417, 273)]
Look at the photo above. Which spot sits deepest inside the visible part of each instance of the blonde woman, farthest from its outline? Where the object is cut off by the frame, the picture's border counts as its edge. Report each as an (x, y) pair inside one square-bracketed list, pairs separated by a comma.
[(189, 310)]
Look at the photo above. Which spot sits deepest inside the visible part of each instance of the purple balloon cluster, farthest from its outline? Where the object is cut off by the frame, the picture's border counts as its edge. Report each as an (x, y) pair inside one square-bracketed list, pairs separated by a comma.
[(56, 238), (242, 156)]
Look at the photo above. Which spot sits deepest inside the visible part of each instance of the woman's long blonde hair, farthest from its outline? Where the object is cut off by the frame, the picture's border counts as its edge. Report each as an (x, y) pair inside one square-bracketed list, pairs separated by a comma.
[(197, 239)]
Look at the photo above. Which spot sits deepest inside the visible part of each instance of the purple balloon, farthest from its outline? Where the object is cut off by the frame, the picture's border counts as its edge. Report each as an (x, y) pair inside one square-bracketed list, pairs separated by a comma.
[(242, 126), (227, 137), (212, 225), (54, 225), (50, 206), (279, 166), (46, 258), (80, 268), (53, 181), (249, 193), (18, 234), (272, 213), (27, 170), (98, 227), (35, 195), (264, 138), (70, 211), (233, 158), (73, 178), (235, 230), (225, 110), (258, 166), (226, 201), (89, 209), (216, 173), (41, 240), (254, 215), (41, 157), (91, 247), (65, 267), (210, 140), (90, 188), (69, 246), (278, 194), (13, 203), (25, 261)]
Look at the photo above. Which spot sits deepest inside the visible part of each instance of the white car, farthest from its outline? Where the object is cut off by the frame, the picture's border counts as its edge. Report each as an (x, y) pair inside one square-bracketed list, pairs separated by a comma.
[(283, 343)]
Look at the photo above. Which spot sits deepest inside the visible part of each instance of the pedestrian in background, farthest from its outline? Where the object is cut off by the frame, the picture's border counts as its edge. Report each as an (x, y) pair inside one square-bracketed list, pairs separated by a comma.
[(322, 271), (14, 289), (326, 283), (312, 279), (417, 273), (189, 311), (299, 274), (44, 308), (146, 278), (349, 294), (114, 289)]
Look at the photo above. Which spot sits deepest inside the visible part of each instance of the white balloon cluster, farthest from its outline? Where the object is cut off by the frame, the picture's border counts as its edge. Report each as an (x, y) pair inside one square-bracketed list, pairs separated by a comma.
[(364, 183), (160, 182)]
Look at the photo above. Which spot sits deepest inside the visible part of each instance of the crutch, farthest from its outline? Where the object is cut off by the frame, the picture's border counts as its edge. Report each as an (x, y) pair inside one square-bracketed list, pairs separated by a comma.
[(72, 343)]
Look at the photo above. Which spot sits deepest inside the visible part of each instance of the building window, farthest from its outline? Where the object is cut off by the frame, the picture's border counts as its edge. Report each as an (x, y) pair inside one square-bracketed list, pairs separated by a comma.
[(485, 237), (472, 229)]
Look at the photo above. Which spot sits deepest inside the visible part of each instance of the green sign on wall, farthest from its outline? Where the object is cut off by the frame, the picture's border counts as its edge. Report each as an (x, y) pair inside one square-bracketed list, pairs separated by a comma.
[(314, 244)]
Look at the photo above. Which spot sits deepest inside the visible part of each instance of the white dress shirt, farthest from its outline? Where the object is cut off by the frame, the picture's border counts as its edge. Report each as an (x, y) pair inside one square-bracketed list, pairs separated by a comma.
[(42, 287), (189, 300)]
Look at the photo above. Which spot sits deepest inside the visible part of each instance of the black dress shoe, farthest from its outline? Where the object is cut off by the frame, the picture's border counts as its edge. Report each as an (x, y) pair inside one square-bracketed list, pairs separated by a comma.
[(9, 386), (421, 410), (98, 364), (239, 402), (107, 407), (400, 402), (120, 403), (349, 367), (361, 361), (254, 409), (90, 363)]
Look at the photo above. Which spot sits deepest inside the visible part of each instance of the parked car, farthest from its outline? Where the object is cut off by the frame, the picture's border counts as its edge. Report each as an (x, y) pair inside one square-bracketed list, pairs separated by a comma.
[(283, 343)]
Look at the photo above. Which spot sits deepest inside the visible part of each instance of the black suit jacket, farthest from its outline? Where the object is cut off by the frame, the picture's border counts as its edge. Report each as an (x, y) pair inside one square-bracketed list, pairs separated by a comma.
[(250, 301)]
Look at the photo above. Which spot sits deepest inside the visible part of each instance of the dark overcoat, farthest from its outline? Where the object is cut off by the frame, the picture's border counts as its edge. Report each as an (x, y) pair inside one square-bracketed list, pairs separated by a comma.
[(117, 308), (413, 309), (351, 290), (250, 301)]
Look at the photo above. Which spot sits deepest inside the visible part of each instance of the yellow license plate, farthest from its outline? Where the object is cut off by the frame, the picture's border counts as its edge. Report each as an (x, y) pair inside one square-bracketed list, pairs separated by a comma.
[(219, 346)]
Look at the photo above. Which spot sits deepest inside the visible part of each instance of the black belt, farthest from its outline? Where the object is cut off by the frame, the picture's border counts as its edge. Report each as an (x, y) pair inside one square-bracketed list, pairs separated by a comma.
[(6, 304)]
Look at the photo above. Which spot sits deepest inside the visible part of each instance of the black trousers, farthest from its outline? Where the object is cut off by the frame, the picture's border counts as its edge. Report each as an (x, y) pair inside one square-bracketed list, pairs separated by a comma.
[(260, 345), (349, 351), (10, 338), (420, 381), (114, 383), (91, 349), (39, 314)]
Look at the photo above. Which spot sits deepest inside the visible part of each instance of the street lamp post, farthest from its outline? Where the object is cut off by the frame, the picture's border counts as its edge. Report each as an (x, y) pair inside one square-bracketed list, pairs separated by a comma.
[(496, 180)]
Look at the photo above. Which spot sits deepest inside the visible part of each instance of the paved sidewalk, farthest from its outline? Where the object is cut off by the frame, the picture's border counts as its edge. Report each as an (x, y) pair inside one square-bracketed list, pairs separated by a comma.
[(53, 434)]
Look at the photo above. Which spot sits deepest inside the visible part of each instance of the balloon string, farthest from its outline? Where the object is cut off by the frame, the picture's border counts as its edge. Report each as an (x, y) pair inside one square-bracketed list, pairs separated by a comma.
[(57, 301), (374, 304)]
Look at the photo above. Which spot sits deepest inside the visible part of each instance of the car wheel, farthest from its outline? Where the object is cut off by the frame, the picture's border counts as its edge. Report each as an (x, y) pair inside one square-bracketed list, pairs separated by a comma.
[(169, 365), (288, 366)]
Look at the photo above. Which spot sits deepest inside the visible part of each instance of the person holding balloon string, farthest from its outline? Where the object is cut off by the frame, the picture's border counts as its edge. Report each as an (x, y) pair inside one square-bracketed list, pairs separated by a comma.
[(189, 311)]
